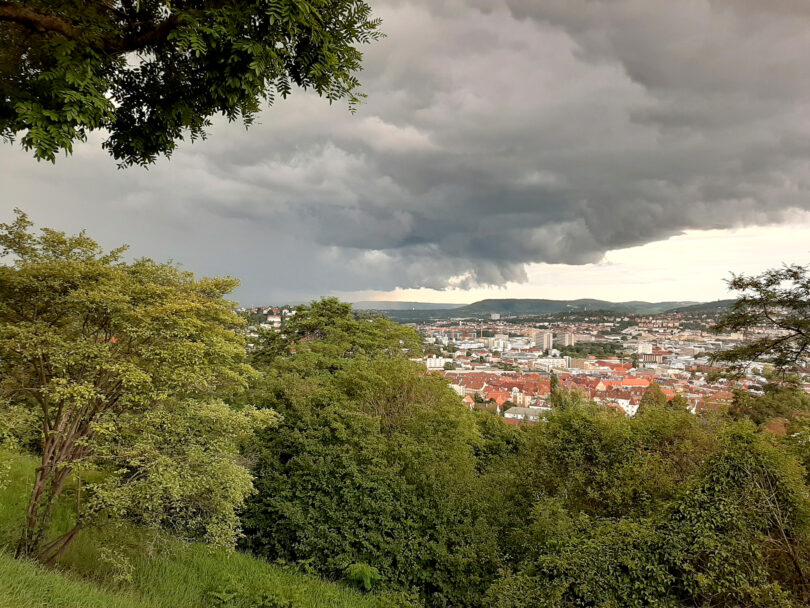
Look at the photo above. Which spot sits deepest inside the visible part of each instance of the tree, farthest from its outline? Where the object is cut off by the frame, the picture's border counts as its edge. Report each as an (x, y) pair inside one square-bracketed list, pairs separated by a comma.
[(777, 300), (152, 72), (115, 360), (774, 402), (326, 334), (563, 399), (652, 398), (373, 463), (679, 402)]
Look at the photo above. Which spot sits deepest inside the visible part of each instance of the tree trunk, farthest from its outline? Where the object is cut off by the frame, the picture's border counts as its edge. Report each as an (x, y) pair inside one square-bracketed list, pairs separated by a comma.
[(34, 526), (54, 550), (48, 485)]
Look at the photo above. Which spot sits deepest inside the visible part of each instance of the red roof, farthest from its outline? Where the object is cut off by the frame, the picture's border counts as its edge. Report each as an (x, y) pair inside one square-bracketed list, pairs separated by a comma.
[(630, 381), (500, 397)]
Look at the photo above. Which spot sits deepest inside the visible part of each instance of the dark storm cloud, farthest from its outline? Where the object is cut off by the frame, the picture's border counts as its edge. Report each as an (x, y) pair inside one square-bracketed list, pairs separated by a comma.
[(497, 133)]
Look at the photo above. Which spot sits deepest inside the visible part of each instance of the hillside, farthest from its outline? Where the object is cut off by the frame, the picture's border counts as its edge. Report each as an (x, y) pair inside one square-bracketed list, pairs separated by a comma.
[(540, 306), (129, 567), (516, 306), (391, 305), (716, 306)]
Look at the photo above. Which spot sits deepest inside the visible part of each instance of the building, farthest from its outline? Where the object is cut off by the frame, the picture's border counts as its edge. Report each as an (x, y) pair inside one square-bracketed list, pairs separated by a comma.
[(495, 316), (436, 363), (551, 363), (526, 414), (545, 340), (569, 339)]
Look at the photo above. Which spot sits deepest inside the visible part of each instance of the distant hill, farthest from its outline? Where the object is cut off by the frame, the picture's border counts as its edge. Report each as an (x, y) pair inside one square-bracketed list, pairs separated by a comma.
[(389, 305), (529, 307), (717, 305), (424, 311)]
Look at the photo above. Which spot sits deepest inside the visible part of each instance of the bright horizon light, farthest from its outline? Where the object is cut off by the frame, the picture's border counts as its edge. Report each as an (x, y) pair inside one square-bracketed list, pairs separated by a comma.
[(694, 265)]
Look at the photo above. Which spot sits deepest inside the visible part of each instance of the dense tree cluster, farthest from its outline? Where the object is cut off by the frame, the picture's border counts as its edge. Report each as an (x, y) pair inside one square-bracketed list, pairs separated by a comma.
[(377, 464), (115, 372), (324, 446), (586, 349)]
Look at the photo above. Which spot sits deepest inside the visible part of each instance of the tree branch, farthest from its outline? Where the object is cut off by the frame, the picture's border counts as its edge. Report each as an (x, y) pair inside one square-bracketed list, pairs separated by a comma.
[(41, 22), (36, 21), (158, 34)]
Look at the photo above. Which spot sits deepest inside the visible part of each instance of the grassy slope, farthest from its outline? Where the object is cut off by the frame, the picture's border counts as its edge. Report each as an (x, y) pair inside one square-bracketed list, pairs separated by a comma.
[(162, 572), (26, 585)]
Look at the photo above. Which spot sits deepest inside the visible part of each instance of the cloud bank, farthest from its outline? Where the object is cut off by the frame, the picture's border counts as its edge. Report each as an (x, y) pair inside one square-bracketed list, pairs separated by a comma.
[(497, 133)]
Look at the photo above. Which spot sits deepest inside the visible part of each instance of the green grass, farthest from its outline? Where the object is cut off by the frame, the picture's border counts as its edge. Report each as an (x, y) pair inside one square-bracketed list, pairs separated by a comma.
[(24, 584), (124, 565)]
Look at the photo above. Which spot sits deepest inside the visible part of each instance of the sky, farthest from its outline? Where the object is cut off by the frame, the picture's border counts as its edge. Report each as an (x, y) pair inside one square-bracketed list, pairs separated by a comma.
[(614, 149)]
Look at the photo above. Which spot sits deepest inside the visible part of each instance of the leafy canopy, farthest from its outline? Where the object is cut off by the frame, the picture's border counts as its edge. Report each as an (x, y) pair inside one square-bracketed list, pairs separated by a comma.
[(120, 366), (152, 72), (372, 468), (326, 334), (774, 308)]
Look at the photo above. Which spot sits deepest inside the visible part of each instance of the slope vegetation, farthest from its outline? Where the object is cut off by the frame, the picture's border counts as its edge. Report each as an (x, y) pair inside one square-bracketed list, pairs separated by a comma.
[(129, 567)]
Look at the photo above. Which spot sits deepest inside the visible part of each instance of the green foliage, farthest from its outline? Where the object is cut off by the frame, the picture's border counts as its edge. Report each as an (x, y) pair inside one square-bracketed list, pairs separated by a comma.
[(19, 426), (363, 576), (679, 402), (562, 399), (735, 535), (585, 349), (373, 472), (594, 564), (234, 595), (776, 401), (163, 572), (666, 510), (325, 334), (778, 299), (652, 398), (189, 479), (68, 68), (121, 366), (374, 463)]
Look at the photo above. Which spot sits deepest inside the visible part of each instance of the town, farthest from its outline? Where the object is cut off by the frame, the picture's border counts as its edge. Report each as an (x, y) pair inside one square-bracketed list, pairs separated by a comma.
[(509, 364), (612, 359)]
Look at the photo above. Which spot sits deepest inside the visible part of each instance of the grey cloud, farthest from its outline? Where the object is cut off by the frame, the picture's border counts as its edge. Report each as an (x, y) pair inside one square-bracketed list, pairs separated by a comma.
[(497, 133)]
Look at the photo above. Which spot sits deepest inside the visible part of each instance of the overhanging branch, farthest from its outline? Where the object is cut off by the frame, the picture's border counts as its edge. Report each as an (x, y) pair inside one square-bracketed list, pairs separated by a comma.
[(36, 21), (158, 34)]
